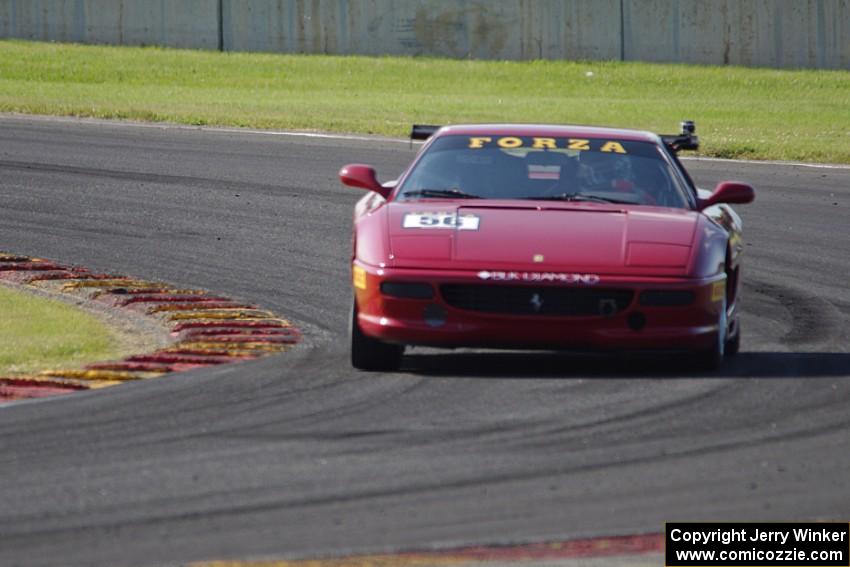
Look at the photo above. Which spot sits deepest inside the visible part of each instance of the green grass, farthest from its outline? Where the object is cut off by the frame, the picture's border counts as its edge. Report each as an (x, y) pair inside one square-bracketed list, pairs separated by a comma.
[(740, 112), (37, 334)]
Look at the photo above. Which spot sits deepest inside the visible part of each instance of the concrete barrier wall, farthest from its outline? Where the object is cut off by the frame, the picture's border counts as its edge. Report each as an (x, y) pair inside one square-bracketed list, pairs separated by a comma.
[(768, 33), (490, 29), (173, 23), (774, 33)]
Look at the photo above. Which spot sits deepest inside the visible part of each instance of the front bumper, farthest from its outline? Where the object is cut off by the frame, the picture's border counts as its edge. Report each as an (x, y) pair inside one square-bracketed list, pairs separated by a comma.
[(435, 321)]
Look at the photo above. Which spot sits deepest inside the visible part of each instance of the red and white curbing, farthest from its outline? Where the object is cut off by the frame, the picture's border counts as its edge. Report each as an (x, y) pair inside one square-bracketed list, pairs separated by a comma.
[(629, 550), (207, 329)]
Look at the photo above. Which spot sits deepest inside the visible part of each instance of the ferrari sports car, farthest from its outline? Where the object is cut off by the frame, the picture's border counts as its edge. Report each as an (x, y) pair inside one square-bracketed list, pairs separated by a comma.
[(545, 237)]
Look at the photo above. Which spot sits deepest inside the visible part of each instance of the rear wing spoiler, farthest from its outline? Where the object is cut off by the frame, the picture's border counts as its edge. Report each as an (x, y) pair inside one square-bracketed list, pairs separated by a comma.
[(687, 140), (423, 131)]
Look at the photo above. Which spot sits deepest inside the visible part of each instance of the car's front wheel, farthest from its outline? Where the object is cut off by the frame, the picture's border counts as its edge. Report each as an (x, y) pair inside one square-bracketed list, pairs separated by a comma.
[(712, 358), (371, 354), (733, 344)]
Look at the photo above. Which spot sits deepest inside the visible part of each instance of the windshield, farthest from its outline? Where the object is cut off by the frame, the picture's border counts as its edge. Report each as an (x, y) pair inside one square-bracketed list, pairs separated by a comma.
[(569, 169)]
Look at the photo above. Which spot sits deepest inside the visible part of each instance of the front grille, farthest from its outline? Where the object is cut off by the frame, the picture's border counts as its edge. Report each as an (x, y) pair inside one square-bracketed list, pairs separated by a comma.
[(667, 298), (531, 300)]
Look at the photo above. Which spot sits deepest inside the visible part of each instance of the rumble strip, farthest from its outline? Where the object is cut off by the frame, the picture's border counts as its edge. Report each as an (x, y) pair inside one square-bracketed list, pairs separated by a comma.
[(205, 330)]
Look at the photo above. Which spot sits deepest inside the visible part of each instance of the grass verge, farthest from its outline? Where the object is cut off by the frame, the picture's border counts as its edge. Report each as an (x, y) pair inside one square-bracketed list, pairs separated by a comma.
[(38, 334), (740, 112)]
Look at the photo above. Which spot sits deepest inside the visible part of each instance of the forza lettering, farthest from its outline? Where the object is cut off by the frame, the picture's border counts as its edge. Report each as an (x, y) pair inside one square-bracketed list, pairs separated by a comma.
[(509, 142), (445, 220), (476, 143), (545, 144), (613, 147), (552, 277), (536, 143)]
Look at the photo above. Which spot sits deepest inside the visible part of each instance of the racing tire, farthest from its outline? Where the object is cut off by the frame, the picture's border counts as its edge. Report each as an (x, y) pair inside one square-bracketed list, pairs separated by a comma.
[(371, 354), (733, 344), (712, 357)]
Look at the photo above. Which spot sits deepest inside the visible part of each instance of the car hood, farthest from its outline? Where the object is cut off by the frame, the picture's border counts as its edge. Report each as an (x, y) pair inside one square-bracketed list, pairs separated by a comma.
[(540, 236)]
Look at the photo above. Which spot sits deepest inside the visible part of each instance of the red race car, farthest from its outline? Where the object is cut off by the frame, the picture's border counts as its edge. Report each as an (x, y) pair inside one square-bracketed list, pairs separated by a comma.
[(545, 237)]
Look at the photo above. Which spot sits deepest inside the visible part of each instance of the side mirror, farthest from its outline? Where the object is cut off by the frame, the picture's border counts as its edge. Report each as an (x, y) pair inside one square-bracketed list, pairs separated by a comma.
[(363, 177), (729, 192)]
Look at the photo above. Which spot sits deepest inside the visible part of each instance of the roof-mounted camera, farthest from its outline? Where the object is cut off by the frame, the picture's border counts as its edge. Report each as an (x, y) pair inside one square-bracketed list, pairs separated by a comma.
[(687, 140)]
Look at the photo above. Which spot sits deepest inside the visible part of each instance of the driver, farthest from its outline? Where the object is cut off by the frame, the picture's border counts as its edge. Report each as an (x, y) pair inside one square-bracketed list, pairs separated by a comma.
[(605, 171)]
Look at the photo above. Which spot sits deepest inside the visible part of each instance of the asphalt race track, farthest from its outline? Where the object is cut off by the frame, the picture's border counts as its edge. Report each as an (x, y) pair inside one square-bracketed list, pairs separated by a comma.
[(301, 456)]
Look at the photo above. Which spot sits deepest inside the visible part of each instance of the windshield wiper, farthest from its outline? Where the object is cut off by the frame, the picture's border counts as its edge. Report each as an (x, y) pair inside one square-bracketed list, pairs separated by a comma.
[(579, 197), (451, 193)]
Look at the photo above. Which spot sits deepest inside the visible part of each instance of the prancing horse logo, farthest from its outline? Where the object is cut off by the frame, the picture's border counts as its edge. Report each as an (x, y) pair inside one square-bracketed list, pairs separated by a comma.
[(536, 302)]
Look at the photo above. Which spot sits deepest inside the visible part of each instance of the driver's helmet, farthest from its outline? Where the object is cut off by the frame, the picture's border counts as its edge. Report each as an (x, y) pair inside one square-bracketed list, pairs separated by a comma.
[(605, 170)]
